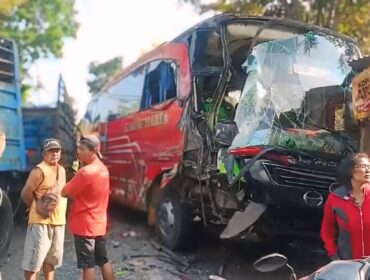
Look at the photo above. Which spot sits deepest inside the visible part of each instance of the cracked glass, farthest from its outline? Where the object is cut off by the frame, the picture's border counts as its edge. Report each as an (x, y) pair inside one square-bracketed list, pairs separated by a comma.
[(294, 92)]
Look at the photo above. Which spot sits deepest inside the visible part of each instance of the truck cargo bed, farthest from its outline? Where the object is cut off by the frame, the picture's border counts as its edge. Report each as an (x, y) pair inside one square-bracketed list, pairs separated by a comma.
[(45, 122)]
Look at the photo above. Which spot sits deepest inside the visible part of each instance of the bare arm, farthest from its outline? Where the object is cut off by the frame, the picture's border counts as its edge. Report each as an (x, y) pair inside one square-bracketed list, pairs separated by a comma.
[(34, 180), (75, 187)]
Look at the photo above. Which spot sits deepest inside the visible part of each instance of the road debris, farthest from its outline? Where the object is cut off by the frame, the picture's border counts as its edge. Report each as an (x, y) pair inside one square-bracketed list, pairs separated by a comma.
[(122, 272), (136, 262), (175, 273), (128, 257), (130, 233), (221, 270), (149, 261), (173, 256)]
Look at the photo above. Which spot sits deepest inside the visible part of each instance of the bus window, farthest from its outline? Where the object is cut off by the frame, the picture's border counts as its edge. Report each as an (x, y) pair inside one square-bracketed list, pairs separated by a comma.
[(207, 49), (160, 83), (87, 124), (206, 86), (207, 52), (124, 97)]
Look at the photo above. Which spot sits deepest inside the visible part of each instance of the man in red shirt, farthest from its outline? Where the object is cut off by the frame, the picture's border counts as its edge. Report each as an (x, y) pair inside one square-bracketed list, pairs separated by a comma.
[(89, 191)]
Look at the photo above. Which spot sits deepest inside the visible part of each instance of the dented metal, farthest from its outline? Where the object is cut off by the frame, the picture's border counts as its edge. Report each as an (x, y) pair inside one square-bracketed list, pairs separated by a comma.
[(261, 119), (289, 81)]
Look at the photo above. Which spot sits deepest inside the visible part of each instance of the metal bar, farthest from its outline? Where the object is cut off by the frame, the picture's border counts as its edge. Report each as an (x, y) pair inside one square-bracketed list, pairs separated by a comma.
[(292, 169), (295, 183), (305, 179), (2, 60), (6, 49), (295, 168), (6, 73), (305, 174)]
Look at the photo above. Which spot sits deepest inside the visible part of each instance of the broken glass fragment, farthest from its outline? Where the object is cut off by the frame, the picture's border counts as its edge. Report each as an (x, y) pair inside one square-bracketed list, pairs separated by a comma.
[(292, 91)]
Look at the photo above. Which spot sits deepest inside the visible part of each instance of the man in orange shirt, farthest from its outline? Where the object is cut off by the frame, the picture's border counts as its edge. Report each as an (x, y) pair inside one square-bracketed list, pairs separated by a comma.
[(89, 191)]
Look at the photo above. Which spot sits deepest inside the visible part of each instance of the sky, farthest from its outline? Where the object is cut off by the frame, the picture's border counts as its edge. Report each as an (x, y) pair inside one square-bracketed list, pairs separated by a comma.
[(109, 28)]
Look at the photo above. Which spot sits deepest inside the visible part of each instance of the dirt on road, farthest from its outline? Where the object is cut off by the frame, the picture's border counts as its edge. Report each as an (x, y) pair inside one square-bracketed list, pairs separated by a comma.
[(135, 254)]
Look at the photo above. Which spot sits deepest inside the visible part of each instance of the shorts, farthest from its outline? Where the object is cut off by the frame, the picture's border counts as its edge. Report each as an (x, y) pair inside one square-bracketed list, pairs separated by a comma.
[(90, 251), (44, 244)]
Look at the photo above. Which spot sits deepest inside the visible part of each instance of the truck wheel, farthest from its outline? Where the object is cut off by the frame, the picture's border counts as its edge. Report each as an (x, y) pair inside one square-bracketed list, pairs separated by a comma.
[(174, 225), (6, 227)]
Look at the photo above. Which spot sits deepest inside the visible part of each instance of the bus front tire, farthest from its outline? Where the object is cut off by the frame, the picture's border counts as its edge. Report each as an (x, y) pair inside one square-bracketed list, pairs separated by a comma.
[(174, 224)]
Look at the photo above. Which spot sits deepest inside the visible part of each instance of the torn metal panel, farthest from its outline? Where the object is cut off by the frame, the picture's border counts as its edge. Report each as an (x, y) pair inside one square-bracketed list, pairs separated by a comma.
[(168, 176), (290, 83), (243, 220)]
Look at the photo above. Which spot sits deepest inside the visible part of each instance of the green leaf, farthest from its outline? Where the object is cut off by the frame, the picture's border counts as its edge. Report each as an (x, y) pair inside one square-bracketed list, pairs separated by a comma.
[(102, 73), (39, 27)]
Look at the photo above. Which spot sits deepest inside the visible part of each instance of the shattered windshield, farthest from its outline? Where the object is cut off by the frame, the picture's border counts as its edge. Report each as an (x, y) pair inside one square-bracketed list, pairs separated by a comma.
[(293, 91)]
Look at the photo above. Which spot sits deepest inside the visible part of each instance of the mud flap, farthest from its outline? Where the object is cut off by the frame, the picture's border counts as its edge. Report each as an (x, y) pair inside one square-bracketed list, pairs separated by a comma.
[(152, 216), (243, 220)]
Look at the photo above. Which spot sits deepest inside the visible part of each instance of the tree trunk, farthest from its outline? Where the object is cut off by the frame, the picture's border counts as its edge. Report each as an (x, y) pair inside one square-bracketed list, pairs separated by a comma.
[(340, 9), (331, 14), (319, 12), (294, 9)]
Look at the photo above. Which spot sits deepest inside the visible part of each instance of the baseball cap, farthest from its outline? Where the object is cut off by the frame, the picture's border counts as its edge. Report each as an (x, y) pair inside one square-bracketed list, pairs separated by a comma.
[(51, 143), (92, 142)]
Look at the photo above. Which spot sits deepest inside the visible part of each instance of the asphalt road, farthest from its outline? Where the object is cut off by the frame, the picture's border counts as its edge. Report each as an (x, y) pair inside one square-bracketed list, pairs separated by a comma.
[(133, 255)]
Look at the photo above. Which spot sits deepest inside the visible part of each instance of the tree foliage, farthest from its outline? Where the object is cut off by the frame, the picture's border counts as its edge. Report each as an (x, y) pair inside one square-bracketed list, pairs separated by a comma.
[(8, 6), (39, 27), (102, 73), (350, 17)]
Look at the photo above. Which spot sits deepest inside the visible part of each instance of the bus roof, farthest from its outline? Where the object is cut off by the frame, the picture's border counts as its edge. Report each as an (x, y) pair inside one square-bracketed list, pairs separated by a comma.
[(227, 18), (219, 20), (159, 52)]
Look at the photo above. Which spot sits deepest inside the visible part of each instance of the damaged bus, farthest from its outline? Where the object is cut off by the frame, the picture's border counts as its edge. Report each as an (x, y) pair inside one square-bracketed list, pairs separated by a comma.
[(240, 123)]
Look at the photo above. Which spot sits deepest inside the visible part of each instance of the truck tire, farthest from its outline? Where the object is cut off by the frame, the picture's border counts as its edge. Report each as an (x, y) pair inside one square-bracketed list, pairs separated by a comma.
[(174, 225), (6, 227)]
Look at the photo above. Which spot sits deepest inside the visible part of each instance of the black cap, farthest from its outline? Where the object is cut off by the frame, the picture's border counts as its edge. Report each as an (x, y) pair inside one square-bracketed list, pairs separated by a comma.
[(51, 143)]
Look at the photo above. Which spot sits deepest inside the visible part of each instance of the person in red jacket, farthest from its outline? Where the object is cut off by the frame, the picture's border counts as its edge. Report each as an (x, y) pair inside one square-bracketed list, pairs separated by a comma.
[(345, 228)]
